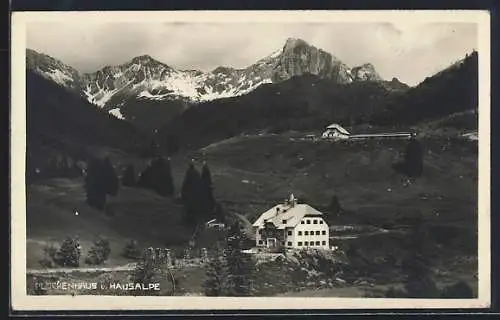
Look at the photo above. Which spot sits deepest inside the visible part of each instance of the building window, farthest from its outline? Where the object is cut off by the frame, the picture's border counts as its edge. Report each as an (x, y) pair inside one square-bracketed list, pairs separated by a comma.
[(308, 221), (283, 221), (289, 243), (300, 233), (299, 243), (311, 233), (323, 232), (315, 221), (260, 241), (317, 233), (302, 222), (289, 233), (324, 243), (306, 243), (320, 221), (260, 231), (317, 243)]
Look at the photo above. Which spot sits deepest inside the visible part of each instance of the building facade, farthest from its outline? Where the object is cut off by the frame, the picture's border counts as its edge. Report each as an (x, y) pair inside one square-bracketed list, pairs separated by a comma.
[(293, 226)]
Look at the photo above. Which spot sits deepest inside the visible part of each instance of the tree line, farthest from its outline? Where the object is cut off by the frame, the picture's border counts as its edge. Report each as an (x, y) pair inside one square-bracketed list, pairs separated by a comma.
[(61, 166), (232, 272), (196, 193)]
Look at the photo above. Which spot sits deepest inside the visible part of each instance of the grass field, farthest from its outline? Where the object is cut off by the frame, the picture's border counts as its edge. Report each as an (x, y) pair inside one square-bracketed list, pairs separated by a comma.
[(138, 214)]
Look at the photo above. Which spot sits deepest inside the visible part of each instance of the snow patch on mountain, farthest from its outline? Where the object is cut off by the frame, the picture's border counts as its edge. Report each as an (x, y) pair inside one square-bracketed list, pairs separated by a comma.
[(117, 113), (183, 84), (101, 97), (276, 53), (58, 76), (147, 95), (144, 77)]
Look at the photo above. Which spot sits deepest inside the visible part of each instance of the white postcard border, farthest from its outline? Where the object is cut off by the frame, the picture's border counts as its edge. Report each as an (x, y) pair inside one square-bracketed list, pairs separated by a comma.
[(22, 302)]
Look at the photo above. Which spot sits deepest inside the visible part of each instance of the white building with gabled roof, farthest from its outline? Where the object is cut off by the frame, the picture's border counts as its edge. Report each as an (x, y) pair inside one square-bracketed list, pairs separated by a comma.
[(335, 131), (291, 225)]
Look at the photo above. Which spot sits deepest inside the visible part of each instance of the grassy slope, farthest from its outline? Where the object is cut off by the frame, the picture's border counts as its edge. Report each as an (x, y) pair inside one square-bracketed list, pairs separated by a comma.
[(258, 171), (252, 173), (139, 214)]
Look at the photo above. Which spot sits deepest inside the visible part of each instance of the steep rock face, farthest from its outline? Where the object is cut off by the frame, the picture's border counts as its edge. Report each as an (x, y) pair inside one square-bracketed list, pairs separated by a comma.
[(52, 69), (365, 72), (299, 58), (142, 74)]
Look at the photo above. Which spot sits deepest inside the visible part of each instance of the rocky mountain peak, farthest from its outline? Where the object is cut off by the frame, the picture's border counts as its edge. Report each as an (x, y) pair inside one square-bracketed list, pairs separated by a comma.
[(145, 58), (52, 69), (292, 43), (145, 78), (223, 70), (365, 72)]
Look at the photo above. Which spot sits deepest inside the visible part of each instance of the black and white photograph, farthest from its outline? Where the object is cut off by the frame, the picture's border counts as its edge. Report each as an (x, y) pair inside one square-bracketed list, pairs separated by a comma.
[(208, 160)]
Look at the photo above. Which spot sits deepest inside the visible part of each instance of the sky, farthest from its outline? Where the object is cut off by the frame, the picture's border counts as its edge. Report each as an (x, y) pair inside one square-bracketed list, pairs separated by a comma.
[(409, 51)]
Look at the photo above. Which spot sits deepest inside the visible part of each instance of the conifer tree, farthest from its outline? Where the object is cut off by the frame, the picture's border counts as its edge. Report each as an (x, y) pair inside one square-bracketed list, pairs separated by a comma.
[(169, 180), (109, 177), (158, 177), (163, 183), (94, 186), (146, 177), (128, 178), (190, 194), (334, 206), (76, 170), (52, 167), (207, 201), (217, 273), (64, 168), (219, 212), (241, 267)]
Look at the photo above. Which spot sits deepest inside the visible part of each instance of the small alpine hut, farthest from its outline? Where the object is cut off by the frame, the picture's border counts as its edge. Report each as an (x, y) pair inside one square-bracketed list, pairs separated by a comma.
[(335, 131)]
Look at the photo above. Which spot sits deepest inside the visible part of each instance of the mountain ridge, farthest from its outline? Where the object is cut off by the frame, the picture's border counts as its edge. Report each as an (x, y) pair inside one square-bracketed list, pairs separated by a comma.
[(309, 103), (144, 78)]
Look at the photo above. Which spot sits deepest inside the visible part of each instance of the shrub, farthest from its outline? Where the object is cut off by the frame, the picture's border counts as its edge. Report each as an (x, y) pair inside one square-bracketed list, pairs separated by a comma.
[(217, 273), (131, 250), (69, 253), (129, 179), (149, 270), (99, 252), (49, 253)]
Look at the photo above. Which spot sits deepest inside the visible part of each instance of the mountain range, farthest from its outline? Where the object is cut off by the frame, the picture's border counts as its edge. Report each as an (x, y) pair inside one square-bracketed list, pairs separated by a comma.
[(308, 102), (299, 87), (145, 81)]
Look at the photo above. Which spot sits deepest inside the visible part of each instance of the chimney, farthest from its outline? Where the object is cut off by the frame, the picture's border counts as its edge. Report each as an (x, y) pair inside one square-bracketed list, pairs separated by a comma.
[(292, 200)]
